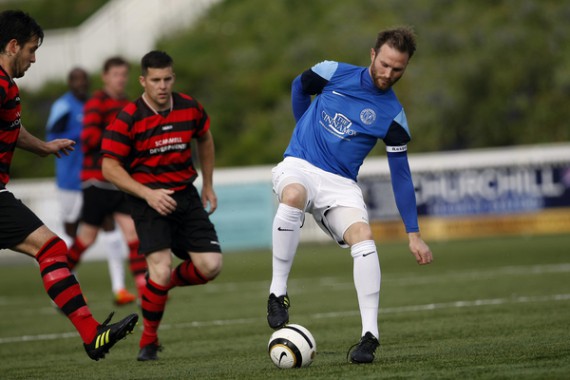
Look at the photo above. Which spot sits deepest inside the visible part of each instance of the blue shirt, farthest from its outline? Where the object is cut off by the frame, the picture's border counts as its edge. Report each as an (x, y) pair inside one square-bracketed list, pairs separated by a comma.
[(65, 121), (339, 128)]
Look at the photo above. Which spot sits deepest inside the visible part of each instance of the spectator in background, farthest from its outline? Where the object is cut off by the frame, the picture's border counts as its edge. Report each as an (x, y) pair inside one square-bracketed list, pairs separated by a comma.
[(20, 229), (66, 121)]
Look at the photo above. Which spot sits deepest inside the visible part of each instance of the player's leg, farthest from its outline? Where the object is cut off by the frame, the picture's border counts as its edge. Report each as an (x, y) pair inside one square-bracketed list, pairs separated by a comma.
[(351, 223), (346, 220), (196, 242), (93, 212), (115, 244), (153, 302), (155, 235), (62, 287), (290, 185), (200, 269), (71, 202), (137, 261), (86, 236)]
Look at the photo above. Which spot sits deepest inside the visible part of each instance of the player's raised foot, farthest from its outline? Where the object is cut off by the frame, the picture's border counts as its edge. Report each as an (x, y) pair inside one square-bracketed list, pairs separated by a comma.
[(149, 352), (108, 335), (277, 311), (123, 297), (363, 351)]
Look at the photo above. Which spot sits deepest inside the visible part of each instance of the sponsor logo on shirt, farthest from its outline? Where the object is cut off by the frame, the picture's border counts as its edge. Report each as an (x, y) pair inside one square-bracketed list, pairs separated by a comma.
[(339, 125), (168, 144)]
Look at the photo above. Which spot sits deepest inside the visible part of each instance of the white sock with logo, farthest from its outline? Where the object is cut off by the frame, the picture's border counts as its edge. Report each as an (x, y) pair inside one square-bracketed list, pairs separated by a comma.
[(367, 275), (286, 234), (116, 253)]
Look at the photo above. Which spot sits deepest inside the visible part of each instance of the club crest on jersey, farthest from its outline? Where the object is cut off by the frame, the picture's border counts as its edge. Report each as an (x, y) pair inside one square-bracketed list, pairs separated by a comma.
[(367, 116), (339, 124)]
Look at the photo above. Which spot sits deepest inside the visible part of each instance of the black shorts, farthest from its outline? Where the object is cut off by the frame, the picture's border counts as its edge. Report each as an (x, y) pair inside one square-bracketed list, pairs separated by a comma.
[(99, 203), (17, 221), (187, 229)]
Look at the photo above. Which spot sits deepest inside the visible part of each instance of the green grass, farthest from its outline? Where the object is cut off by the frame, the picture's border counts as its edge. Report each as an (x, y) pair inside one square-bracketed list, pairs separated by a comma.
[(485, 309)]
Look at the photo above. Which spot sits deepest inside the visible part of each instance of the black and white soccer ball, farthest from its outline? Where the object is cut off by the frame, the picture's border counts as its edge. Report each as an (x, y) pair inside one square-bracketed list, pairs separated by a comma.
[(292, 346)]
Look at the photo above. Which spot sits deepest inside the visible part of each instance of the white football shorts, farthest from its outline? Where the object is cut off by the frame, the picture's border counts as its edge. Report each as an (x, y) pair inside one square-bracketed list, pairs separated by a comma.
[(70, 204), (335, 202)]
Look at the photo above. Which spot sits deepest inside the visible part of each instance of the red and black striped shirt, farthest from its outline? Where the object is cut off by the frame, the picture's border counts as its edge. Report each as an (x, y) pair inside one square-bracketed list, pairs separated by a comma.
[(10, 109), (99, 111), (155, 149)]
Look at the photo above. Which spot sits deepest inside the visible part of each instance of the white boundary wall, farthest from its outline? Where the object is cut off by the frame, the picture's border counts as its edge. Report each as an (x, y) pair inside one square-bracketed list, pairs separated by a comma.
[(129, 28), (41, 196)]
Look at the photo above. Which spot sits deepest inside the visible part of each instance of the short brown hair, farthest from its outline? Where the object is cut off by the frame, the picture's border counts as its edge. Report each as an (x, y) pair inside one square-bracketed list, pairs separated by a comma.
[(401, 38), (113, 62)]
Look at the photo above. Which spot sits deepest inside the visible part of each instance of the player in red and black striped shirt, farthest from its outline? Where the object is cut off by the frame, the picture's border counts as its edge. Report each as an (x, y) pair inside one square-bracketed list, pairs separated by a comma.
[(20, 229), (146, 153), (103, 203)]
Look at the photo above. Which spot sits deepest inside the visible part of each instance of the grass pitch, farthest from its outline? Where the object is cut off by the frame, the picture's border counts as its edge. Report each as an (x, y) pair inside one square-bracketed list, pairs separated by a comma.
[(485, 309)]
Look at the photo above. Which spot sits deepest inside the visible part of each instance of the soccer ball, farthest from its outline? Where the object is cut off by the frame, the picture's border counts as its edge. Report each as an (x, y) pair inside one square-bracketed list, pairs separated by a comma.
[(292, 346)]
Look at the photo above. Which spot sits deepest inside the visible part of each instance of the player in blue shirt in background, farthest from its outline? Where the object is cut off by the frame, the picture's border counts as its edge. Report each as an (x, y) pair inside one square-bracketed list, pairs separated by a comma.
[(66, 121), (353, 108)]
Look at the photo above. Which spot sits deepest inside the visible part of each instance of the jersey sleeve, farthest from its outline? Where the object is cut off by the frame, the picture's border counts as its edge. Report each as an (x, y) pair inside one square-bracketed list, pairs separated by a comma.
[(310, 82), (117, 142), (57, 121), (398, 135), (403, 188), (203, 122), (396, 141)]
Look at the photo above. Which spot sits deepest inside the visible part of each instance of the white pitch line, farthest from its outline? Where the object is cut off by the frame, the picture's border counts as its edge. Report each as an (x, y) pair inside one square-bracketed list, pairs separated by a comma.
[(385, 310)]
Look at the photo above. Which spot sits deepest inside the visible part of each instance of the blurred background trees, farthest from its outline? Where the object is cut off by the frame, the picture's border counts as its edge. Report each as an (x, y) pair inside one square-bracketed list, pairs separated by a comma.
[(486, 73)]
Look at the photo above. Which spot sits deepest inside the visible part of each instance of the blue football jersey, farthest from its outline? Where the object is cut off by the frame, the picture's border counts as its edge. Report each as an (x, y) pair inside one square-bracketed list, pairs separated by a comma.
[(346, 118), (65, 121)]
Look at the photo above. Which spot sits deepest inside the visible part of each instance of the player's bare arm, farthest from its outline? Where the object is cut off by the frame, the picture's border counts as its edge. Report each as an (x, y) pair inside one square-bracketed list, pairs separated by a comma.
[(158, 199), (206, 153), (31, 143), (419, 248)]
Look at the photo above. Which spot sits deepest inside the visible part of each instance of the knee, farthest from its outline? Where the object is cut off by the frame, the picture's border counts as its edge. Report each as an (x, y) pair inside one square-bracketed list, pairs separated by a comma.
[(358, 232), (294, 195), (211, 266), (159, 270)]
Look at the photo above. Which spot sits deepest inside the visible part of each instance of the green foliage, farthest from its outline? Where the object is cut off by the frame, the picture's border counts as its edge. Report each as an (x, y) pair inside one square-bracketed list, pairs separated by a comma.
[(55, 14), (486, 73), (484, 309)]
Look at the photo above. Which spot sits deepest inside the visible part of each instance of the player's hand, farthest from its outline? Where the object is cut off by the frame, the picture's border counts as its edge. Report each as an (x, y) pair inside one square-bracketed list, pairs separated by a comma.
[(420, 249), (161, 201), (209, 197), (59, 147)]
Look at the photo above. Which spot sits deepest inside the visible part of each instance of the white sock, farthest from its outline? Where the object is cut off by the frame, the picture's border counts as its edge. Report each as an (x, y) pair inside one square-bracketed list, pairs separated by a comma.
[(367, 277), (116, 250), (286, 234)]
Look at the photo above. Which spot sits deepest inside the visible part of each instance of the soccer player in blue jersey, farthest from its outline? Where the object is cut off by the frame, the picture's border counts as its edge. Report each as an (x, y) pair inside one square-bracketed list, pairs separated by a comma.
[(353, 108), (66, 121)]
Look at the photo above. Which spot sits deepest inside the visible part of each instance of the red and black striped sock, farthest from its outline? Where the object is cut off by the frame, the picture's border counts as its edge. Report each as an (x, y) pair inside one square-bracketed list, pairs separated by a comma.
[(63, 288), (153, 302), (75, 252), (186, 274), (137, 265)]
